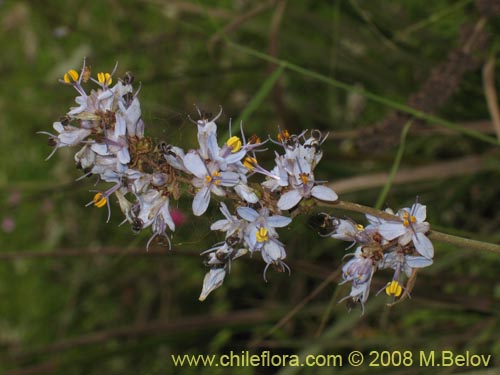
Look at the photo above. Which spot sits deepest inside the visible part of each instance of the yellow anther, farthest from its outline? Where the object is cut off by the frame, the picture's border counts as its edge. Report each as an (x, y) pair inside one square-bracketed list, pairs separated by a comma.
[(394, 288), (71, 76), (304, 178), (283, 135), (235, 144), (100, 200), (413, 219), (261, 235), (104, 78), (213, 178), (360, 227), (250, 163), (406, 215), (406, 223)]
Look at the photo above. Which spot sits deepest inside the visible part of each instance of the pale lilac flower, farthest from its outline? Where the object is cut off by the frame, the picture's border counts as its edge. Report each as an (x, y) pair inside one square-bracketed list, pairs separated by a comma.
[(304, 186), (208, 179), (68, 136), (359, 270), (410, 227), (260, 235)]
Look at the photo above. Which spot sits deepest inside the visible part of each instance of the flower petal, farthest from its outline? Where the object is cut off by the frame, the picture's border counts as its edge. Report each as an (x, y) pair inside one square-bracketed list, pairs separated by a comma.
[(278, 221), (324, 193), (417, 262), (201, 201), (419, 211), (423, 245), (247, 213), (391, 229), (195, 165), (289, 199)]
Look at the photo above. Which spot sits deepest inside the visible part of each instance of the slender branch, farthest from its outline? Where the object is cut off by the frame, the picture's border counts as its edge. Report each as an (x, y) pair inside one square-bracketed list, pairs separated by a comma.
[(433, 235), (491, 93)]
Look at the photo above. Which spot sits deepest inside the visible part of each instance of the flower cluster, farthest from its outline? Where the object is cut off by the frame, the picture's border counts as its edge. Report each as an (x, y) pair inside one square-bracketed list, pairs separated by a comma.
[(145, 174), (399, 243)]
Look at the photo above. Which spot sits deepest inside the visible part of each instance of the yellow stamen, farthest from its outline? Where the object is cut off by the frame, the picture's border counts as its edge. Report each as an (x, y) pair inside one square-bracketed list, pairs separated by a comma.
[(359, 227), (406, 222), (406, 215), (250, 163), (104, 78), (283, 135), (261, 235), (235, 144), (303, 177), (100, 200), (211, 178), (71, 76), (394, 288), (413, 219)]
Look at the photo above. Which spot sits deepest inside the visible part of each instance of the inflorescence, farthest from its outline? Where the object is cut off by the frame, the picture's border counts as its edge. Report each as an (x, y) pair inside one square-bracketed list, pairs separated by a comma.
[(145, 174)]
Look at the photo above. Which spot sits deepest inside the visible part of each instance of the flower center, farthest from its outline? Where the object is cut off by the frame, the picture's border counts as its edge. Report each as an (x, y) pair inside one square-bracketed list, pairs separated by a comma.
[(261, 235), (234, 143), (214, 177), (407, 219), (304, 178), (71, 76), (99, 200), (394, 288)]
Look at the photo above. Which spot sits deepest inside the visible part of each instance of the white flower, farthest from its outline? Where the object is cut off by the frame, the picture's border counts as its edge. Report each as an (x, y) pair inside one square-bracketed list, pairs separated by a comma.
[(359, 270), (303, 186), (260, 235), (207, 179), (410, 227)]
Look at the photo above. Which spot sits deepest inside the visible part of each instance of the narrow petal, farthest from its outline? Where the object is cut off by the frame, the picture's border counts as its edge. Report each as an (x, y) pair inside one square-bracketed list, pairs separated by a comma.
[(229, 178), (289, 199), (247, 213), (417, 262), (324, 193), (278, 221), (201, 201), (423, 245)]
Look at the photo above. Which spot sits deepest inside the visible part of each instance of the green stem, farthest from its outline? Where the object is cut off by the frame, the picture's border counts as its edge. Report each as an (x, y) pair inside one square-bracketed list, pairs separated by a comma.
[(394, 168)]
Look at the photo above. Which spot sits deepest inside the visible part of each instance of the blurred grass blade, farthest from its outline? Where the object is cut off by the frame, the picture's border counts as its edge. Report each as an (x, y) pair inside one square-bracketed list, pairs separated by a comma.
[(259, 97), (395, 166), (433, 120)]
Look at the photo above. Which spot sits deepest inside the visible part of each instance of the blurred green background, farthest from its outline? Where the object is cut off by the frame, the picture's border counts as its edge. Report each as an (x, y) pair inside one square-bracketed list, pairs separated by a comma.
[(79, 296)]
